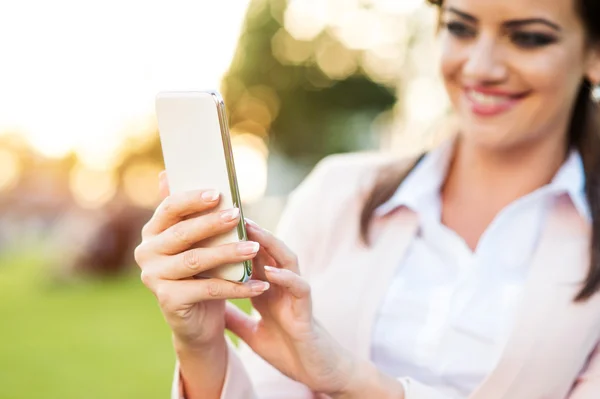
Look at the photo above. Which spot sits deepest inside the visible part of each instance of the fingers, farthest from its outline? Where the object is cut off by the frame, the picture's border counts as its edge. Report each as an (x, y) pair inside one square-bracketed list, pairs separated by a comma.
[(262, 258), (196, 260), (176, 295), (289, 280), (177, 206), (240, 323), (187, 233), (275, 247), (297, 287)]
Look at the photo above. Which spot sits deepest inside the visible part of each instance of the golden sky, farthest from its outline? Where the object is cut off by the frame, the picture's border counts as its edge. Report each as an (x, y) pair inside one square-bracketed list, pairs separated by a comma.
[(79, 74)]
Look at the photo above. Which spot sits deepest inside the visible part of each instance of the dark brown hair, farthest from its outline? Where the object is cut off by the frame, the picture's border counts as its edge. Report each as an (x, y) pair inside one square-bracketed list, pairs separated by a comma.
[(584, 134)]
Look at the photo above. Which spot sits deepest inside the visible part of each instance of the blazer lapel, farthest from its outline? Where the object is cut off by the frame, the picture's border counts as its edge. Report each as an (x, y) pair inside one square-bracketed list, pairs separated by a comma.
[(552, 336), (346, 296), (392, 235)]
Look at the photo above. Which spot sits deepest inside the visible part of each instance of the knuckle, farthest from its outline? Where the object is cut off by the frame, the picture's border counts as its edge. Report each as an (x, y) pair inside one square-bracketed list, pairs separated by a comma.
[(145, 230), (168, 206), (215, 223), (192, 259), (165, 297), (138, 254), (306, 288), (214, 289), (238, 291), (181, 233), (147, 278), (291, 259)]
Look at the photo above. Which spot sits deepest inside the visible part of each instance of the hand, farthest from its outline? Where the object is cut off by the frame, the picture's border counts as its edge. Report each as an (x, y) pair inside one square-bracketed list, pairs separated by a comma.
[(169, 258), (290, 339)]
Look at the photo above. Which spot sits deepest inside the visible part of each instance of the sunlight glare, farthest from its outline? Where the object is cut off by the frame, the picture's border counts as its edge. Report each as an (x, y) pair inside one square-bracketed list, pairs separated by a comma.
[(305, 19), (72, 80), (140, 182), (250, 155), (10, 169), (397, 6), (92, 188)]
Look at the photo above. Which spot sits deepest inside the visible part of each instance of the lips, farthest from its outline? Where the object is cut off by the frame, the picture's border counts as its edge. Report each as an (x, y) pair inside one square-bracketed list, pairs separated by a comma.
[(491, 103)]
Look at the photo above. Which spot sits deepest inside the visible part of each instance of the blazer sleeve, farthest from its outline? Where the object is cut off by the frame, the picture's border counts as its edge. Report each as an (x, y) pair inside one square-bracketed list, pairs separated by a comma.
[(236, 385), (587, 385), (248, 376)]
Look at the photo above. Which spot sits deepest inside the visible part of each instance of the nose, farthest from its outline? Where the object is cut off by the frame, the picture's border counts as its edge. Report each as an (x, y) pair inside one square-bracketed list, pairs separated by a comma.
[(484, 62)]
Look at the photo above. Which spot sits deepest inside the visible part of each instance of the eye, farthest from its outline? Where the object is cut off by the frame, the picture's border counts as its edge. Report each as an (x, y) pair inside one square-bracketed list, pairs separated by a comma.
[(459, 29), (531, 39)]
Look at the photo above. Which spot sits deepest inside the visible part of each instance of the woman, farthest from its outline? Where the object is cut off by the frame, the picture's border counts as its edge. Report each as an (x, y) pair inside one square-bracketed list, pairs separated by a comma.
[(465, 273)]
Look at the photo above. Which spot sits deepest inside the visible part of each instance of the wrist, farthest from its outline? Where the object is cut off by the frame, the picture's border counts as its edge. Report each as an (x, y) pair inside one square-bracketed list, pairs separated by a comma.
[(368, 381), (202, 367), (215, 349), (185, 345)]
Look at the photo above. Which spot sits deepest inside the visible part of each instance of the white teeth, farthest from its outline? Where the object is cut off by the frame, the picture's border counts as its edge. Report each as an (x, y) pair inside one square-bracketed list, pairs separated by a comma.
[(486, 99)]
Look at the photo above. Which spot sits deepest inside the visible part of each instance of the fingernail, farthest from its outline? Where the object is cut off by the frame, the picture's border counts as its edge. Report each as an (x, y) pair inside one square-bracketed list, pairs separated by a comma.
[(230, 215), (248, 248), (272, 269), (259, 286), (251, 222), (210, 196)]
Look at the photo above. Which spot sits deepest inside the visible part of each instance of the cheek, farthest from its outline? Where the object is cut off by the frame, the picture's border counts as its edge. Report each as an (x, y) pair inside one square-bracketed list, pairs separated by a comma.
[(452, 59), (553, 77), (545, 73)]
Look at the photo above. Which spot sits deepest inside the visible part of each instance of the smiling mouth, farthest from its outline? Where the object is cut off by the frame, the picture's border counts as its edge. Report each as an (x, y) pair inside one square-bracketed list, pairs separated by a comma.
[(491, 103)]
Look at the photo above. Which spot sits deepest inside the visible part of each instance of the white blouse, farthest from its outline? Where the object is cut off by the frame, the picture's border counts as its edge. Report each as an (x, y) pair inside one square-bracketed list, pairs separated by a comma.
[(448, 312)]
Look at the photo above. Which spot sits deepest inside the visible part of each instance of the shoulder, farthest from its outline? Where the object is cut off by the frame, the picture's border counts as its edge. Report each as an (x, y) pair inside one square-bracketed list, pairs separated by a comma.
[(348, 175), (323, 213)]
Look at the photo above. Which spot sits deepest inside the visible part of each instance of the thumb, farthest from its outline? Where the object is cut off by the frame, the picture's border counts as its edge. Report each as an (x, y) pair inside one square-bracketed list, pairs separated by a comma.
[(241, 324)]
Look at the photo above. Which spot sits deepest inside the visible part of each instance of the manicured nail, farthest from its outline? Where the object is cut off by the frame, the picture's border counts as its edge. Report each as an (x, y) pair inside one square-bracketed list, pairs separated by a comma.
[(272, 269), (230, 215), (251, 222), (247, 248), (210, 196), (258, 286)]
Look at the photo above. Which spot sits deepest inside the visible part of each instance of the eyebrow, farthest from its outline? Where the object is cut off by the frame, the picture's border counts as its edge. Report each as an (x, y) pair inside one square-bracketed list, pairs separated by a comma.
[(509, 24)]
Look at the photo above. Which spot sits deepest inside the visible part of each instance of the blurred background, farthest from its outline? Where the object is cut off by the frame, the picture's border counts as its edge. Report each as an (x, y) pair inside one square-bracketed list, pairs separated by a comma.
[(80, 155)]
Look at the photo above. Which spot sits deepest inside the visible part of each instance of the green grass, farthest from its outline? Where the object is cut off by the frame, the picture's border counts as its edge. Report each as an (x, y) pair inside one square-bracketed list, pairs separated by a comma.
[(102, 339)]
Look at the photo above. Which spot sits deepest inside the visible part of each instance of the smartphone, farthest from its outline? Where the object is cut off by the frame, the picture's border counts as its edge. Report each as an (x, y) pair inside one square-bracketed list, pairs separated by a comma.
[(196, 147)]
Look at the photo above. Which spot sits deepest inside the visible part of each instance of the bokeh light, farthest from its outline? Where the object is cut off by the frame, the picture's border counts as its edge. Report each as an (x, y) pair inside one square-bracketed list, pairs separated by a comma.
[(289, 50), (92, 188), (250, 155), (305, 19), (10, 169), (425, 99), (254, 109), (140, 182), (73, 80), (335, 60)]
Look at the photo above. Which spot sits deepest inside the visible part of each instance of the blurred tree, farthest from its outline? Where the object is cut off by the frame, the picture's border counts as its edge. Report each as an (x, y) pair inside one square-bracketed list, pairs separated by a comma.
[(308, 99), (308, 78), (308, 87)]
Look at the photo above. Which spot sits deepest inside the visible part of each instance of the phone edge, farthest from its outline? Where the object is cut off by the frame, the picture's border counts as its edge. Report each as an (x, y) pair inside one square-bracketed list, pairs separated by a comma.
[(231, 174)]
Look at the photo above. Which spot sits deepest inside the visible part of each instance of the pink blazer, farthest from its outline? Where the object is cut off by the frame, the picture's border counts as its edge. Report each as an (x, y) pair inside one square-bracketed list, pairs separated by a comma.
[(553, 349)]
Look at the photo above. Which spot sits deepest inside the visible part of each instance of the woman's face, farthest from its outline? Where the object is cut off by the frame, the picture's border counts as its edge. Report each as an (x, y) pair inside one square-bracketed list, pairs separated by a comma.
[(513, 68)]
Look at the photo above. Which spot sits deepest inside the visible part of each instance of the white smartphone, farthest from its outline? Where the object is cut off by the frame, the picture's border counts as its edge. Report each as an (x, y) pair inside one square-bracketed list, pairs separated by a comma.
[(196, 148)]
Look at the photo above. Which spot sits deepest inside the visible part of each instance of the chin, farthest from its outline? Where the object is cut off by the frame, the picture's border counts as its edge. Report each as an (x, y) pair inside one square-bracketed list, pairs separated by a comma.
[(493, 137)]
